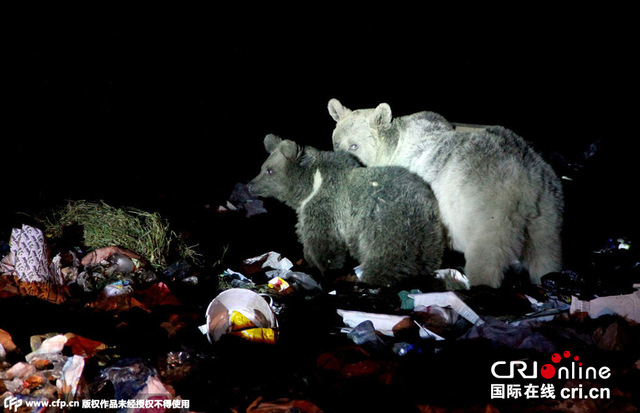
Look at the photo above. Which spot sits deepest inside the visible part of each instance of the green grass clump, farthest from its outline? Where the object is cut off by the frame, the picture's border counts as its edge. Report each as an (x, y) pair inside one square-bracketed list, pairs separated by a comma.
[(142, 232)]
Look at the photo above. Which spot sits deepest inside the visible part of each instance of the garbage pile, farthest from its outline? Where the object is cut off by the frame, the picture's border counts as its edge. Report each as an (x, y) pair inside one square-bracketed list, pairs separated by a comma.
[(95, 275), (120, 328)]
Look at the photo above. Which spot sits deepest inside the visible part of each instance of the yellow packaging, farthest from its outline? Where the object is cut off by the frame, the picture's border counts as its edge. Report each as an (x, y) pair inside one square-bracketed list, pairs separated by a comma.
[(243, 327), (239, 321)]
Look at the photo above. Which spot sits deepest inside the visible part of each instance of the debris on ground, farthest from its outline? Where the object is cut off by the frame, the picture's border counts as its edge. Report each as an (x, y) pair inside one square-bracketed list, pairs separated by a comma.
[(266, 334)]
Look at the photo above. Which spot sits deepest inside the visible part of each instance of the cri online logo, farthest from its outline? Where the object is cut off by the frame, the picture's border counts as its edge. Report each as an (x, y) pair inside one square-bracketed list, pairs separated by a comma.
[(549, 371)]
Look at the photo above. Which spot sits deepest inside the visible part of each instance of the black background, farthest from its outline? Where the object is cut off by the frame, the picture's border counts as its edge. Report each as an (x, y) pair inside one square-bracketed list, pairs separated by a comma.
[(164, 106)]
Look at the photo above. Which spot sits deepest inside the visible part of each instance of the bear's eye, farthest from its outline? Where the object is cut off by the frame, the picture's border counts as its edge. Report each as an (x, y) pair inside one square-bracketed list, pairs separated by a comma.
[(353, 147), (269, 171)]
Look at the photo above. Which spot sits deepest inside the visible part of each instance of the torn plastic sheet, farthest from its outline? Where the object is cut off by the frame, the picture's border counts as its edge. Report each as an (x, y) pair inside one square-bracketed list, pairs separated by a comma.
[(128, 377), (520, 335), (385, 324), (298, 280), (626, 306), (447, 299), (236, 279), (544, 311), (364, 334), (71, 374), (51, 345), (153, 389), (270, 260)]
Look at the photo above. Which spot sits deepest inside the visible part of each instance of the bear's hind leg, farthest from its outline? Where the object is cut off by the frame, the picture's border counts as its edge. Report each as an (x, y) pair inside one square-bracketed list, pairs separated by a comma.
[(491, 253), (542, 249)]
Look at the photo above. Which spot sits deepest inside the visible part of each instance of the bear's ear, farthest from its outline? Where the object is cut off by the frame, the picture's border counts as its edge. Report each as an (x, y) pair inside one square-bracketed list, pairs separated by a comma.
[(271, 142), (381, 115), (309, 155), (290, 149), (337, 111)]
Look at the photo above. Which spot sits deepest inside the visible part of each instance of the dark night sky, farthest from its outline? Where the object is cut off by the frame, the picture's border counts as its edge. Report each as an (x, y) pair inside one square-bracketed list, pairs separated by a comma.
[(166, 107)]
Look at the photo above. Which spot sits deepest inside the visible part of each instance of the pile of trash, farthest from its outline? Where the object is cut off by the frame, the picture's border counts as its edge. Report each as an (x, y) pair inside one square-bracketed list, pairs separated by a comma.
[(50, 379), (103, 249), (98, 274), (264, 335)]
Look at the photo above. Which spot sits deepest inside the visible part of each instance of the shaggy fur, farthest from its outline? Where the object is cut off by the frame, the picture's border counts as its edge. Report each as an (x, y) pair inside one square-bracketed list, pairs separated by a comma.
[(500, 202), (386, 218)]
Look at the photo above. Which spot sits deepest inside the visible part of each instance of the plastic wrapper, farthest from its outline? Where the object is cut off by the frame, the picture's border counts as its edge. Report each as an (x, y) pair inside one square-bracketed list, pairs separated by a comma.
[(236, 280), (279, 284), (51, 345), (267, 260), (566, 284), (153, 390), (157, 294), (128, 377), (71, 374), (302, 280), (20, 370), (364, 334), (82, 346)]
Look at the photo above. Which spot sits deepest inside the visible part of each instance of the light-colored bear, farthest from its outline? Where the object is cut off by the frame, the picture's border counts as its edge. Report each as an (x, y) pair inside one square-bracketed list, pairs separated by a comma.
[(500, 202)]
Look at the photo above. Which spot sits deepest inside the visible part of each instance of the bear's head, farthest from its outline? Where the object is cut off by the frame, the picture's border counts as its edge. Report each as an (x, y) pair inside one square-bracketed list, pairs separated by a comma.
[(359, 132), (278, 172)]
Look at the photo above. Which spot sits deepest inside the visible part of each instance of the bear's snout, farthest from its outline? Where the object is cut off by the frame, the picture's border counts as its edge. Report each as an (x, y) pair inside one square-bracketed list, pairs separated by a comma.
[(250, 186), (255, 187)]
